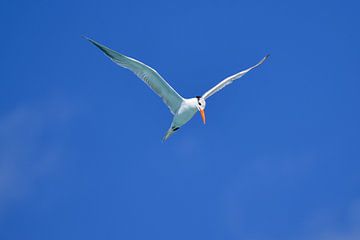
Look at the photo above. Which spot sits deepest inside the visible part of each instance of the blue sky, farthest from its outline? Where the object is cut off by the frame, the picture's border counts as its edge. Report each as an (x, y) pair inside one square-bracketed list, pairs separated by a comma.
[(81, 155)]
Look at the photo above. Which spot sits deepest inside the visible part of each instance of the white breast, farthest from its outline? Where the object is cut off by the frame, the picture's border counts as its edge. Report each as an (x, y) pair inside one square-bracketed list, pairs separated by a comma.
[(186, 111)]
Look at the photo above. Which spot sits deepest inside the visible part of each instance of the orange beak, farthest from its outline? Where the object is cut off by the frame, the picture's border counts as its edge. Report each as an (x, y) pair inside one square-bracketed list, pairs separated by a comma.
[(202, 112)]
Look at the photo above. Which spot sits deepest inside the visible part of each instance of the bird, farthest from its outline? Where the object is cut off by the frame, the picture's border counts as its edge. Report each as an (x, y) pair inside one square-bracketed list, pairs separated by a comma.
[(182, 108)]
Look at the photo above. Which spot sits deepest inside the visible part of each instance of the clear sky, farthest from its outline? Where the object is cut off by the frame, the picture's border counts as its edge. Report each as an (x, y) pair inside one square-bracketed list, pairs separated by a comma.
[(81, 155)]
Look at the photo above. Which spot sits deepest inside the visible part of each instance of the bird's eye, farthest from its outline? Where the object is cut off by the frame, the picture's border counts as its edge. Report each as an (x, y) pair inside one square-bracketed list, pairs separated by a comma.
[(200, 103)]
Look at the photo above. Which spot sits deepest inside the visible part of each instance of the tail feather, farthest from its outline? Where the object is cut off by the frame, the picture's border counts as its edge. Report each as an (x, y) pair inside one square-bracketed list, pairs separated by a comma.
[(168, 134)]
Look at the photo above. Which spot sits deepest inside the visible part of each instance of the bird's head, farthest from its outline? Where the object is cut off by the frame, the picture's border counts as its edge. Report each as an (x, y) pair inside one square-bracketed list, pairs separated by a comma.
[(201, 107)]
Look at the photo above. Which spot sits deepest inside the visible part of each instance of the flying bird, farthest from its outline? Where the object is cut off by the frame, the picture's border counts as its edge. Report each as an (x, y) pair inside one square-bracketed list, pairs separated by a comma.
[(183, 109)]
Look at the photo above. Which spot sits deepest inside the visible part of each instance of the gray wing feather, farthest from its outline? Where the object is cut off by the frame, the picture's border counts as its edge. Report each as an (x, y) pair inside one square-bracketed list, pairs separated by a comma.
[(230, 79), (153, 79)]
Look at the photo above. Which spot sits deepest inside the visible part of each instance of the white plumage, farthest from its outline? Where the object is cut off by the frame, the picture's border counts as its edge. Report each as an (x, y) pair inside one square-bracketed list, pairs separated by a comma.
[(183, 109)]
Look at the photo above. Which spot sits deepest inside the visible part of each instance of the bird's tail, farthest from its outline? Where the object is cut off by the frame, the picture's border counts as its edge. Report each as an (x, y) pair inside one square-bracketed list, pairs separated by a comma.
[(168, 134)]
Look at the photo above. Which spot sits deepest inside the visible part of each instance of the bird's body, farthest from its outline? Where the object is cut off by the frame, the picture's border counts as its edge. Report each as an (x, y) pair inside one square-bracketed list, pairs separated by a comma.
[(185, 113), (183, 109)]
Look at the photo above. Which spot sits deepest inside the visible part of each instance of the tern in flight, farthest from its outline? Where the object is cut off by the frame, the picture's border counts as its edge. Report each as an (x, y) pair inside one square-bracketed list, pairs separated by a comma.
[(183, 109)]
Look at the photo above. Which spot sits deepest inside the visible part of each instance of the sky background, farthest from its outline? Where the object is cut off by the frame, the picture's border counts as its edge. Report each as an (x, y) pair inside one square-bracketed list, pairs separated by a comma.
[(81, 155)]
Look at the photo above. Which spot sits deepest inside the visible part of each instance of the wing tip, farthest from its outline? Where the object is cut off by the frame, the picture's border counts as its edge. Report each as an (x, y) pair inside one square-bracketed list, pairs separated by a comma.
[(262, 60), (107, 51), (266, 57), (87, 38), (92, 41)]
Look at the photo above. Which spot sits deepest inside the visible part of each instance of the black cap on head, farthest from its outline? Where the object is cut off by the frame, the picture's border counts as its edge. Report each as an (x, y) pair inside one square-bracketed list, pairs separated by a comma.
[(198, 97)]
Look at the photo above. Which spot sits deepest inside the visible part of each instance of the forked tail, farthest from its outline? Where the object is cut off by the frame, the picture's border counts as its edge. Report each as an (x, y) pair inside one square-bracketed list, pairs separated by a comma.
[(170, 132)]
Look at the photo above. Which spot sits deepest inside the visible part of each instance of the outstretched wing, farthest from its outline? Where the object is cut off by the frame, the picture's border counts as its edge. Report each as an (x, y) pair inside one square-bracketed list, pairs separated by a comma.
[(153, 79), (230, 79)]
